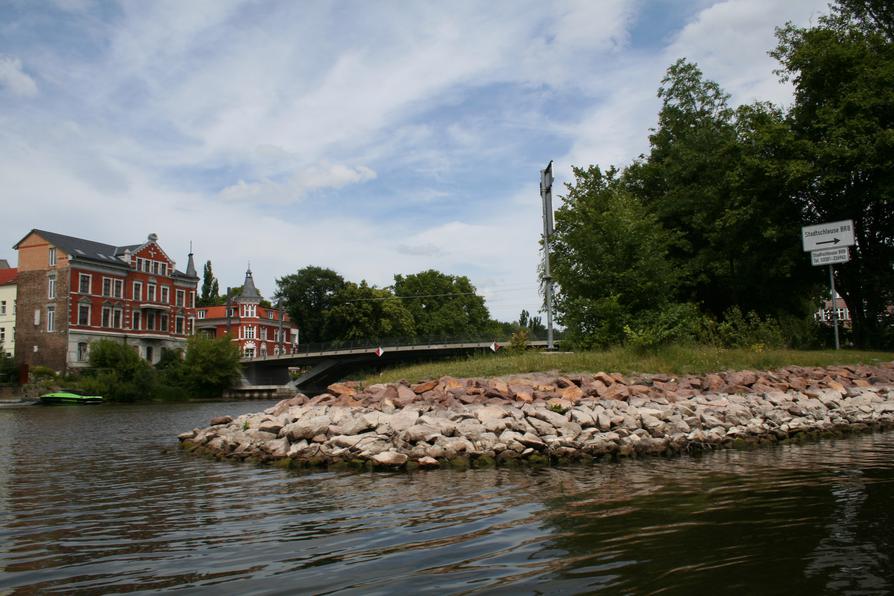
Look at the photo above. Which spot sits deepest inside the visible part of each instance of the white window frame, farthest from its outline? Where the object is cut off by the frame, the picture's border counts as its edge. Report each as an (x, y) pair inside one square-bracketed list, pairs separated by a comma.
[(136, 322), (84, 355), (179, 323), (107, 280), (201, 314), (163, 322), (180, 298), (137, 290), (165, 295), (89, 309), (51, 318), (105, 319), (52, 256), (151, 316), (151, 292), (89, 278), (117, 318), (118, 288), (51, 286), (2, 307)]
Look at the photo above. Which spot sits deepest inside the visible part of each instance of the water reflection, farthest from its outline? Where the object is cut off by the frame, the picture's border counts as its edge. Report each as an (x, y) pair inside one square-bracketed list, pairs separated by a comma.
[(101, 500)]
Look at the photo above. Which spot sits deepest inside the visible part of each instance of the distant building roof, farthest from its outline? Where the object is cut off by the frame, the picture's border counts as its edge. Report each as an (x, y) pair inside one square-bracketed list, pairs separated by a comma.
[(8, 276), (4, 264)]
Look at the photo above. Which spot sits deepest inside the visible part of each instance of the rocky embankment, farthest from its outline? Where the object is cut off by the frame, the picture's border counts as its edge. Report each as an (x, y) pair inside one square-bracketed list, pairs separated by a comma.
[(548, 417)]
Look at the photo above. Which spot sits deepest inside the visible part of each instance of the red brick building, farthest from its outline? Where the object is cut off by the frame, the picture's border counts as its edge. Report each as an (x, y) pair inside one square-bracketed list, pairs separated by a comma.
[(72, 292), (258, 330)]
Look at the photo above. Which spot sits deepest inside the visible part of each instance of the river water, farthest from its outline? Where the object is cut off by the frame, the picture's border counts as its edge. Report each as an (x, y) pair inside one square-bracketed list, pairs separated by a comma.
[(98, 499)]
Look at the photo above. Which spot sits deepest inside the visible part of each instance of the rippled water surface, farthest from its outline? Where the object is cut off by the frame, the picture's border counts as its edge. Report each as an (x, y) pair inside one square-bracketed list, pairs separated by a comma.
[(99, 499)]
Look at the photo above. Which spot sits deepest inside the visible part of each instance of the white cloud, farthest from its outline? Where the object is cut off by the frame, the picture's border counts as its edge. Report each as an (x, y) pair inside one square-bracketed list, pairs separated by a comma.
[(14, 79), (316, 177)]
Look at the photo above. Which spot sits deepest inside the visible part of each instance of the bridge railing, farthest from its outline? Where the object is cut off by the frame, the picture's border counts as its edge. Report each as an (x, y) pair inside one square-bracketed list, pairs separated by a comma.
[(387, 342)]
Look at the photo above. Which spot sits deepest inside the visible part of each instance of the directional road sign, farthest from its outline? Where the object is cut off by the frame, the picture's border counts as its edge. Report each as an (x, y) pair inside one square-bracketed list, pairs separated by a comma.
[(828, 235), (830, 256)]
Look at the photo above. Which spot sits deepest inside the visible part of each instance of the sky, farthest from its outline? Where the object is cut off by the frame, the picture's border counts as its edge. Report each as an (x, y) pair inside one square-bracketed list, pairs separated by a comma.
[(373, 138)]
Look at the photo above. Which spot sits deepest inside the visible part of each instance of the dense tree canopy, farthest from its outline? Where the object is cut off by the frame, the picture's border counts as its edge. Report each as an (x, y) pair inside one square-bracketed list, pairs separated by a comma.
[(308, 295), (609, 258), (710, 178), (360, 311), (711, 216), (442, 305), (842, 127)]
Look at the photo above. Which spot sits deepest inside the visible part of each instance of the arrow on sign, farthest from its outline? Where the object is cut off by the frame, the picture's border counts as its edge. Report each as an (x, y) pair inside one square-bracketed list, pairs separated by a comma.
[(832, 241)]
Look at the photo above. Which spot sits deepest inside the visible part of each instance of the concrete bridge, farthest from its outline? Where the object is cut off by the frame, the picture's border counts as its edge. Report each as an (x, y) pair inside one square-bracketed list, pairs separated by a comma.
[(325, 364)]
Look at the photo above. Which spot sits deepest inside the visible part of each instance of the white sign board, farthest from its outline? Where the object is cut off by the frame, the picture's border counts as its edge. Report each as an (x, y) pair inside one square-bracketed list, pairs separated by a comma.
[(830, 256), (828, 235)]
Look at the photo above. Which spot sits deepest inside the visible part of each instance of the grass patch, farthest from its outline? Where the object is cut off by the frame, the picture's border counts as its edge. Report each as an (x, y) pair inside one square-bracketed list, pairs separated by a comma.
[(677, 360)]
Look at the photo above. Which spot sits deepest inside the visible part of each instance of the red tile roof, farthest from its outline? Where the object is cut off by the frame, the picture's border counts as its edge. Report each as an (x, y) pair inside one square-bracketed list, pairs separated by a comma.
[(220, 312), (8, 276)]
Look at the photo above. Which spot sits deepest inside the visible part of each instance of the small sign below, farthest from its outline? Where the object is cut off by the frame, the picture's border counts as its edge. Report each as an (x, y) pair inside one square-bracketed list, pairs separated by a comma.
[(495, 346), (828, 235), (830, 256), (378, 352)]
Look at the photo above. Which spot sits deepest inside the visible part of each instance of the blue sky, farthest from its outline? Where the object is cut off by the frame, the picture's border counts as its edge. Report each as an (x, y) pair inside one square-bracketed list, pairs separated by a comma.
[(370, 137)]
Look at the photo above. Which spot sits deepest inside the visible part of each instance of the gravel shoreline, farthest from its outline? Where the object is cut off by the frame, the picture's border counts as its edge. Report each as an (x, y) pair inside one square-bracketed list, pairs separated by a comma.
[(549, 418)]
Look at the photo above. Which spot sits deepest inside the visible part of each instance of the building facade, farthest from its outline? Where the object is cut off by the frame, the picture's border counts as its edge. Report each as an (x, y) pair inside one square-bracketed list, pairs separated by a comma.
[(72, 292), (7, 308), (259, 331)]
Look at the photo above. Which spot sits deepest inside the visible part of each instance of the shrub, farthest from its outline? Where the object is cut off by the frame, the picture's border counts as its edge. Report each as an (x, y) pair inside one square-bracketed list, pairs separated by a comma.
[(674, 323), (519, 342), (736, 330)]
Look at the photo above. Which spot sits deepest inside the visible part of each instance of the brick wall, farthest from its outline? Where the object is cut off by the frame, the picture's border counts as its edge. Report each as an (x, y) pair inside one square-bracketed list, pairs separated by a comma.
[(32, 294)]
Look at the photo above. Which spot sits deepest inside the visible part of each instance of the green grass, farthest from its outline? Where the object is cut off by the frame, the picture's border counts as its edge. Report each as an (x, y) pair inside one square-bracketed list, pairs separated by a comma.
[(676, 360)]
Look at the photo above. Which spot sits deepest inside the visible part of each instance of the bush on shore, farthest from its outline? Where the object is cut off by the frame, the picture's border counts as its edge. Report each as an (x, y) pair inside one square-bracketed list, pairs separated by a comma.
[(205, 369)]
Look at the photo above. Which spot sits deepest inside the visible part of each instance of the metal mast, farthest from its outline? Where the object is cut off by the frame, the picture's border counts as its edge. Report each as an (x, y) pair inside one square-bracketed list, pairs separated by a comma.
[(546, 193)]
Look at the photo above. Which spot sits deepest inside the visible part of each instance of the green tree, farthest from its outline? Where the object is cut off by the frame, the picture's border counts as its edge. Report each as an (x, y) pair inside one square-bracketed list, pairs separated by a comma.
[(842, 123), (118, 373), (308, 295), (712, 178), (361, 311), (609, 258), (209, 295), (210, 365), (443, 305)]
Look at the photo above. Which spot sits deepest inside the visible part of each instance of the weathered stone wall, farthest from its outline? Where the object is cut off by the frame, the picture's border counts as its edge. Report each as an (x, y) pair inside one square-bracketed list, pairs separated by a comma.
[(542, 418)]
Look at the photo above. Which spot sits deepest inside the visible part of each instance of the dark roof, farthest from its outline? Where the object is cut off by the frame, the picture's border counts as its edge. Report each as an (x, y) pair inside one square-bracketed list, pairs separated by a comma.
[(248, 288), (79, 248), (190, 265), (107, 254), (4, 264)]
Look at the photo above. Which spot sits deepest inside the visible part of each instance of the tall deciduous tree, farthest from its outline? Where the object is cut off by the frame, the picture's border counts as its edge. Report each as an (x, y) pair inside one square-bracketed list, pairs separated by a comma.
[(712, 176), (307, 295), (443, 305), (609, 257), (842, 121)]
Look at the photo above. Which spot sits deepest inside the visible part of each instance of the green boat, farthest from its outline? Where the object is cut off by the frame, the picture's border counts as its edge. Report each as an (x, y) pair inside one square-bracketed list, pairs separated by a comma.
[(67, 396)]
